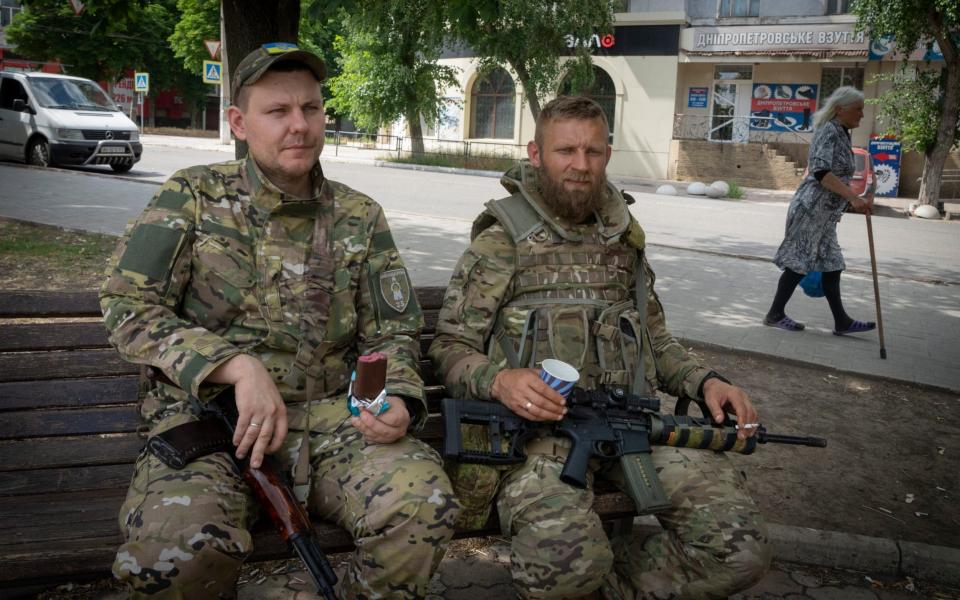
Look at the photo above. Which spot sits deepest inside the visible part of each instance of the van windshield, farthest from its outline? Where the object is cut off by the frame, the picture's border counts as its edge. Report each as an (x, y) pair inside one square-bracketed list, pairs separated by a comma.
[(53, 92)]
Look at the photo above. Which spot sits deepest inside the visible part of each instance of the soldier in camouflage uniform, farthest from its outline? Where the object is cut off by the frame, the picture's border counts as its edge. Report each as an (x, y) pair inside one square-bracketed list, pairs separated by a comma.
[(554, 270), (262, 274)]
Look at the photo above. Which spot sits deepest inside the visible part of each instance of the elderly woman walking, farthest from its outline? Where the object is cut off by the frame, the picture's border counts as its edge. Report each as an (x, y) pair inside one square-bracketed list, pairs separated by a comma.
[(810, 240)]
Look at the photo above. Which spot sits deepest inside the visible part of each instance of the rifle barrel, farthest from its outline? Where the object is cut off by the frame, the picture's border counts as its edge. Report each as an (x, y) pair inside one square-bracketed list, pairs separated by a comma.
[(317, 565), (776, 438)]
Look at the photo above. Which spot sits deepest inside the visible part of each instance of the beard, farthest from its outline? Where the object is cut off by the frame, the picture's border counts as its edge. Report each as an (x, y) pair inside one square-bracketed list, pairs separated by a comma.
[(574, 206)]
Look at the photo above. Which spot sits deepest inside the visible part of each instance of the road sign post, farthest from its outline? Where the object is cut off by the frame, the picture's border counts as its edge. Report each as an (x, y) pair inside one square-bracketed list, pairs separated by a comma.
[(141, 85), (213, 72)]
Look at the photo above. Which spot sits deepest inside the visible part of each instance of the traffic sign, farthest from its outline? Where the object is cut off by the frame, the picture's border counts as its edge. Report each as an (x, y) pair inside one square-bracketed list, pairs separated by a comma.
[(141, 82), (212, 71), (77, 7), (213, 47)]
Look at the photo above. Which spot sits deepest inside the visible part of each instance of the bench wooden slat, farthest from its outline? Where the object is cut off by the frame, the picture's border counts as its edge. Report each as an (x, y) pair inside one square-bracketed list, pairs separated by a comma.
[(56, 422), (44, 336), (43, 303), (73, 479), (49, 453), (66, 393), (27, 366)]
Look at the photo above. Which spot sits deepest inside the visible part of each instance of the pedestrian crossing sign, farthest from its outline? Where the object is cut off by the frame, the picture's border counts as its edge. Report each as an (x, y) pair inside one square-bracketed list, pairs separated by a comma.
[(212, 71), (141, 82)]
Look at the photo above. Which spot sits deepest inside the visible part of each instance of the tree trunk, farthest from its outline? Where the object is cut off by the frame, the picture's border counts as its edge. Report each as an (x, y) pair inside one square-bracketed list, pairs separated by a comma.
[(416, 132), (252, 23), (529, 93), (936, 157)]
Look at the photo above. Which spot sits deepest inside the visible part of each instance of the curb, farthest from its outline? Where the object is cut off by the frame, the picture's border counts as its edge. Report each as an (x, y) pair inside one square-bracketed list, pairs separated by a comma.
[(854, 552)]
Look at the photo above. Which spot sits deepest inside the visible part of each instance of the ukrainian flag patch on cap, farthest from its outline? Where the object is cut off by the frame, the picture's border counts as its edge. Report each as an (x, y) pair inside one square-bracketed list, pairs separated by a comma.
[(279, 47)]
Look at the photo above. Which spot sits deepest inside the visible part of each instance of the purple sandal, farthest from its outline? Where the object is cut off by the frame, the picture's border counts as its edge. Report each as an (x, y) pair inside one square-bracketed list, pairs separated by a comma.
[(786, 323), (857, 327)]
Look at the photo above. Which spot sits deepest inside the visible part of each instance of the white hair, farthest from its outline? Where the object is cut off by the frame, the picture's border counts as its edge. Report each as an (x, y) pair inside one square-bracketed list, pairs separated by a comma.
[(842, 96)]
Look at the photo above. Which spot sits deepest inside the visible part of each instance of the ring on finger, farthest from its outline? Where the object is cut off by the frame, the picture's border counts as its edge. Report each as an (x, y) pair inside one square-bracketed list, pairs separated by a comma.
[(528, 405), (252, 424)]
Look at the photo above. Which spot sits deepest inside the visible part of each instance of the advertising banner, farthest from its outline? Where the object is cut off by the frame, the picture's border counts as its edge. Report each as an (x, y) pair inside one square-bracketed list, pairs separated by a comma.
[(697, 97), (886, 165), (783, 107)]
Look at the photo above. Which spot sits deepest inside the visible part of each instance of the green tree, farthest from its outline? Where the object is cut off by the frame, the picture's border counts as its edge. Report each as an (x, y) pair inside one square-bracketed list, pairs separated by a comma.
[(531, 36), (913, 22), (105, 41), (199, 21)]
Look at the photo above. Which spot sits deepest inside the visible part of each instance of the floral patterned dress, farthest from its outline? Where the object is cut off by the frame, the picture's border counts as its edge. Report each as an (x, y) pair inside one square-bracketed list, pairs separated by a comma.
[(810, 236)]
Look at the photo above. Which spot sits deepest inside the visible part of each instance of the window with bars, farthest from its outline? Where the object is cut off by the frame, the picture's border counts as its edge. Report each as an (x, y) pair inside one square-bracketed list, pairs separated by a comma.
[(833, 77), (838, 7), (493, 99), (603, 92), (739, 8)]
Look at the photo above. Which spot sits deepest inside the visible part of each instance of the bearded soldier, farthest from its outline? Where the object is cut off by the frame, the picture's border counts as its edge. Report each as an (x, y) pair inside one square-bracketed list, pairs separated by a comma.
[(558, 270), (264, 275)]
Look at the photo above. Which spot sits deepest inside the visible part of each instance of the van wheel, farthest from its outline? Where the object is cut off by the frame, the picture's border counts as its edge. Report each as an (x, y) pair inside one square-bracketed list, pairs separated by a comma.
[(121, 167), (38, 152)]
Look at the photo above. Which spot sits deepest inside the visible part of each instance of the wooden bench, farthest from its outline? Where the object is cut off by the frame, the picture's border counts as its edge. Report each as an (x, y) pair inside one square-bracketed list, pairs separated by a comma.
[(70, 432)]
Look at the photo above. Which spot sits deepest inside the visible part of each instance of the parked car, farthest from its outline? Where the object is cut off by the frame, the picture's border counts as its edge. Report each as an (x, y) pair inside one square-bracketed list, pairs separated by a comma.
[(862, 179), (48, 119)]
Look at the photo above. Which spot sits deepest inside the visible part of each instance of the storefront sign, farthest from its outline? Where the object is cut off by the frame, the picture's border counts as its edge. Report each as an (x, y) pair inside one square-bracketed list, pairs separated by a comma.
[(626, 40), (783, 106), (697, 97), (886, 165), (766, 38), (885, 48)]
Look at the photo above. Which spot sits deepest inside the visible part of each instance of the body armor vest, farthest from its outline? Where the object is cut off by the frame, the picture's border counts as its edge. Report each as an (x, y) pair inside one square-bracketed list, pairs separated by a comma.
[(571, 292)]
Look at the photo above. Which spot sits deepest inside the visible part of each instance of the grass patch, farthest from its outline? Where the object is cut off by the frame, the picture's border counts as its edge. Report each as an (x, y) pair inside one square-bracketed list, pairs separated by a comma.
[(34, 256), (482, 162), (736, 192)]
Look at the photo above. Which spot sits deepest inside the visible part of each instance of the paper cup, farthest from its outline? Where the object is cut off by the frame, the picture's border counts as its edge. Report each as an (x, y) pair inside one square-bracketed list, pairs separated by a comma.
[(559, 375)]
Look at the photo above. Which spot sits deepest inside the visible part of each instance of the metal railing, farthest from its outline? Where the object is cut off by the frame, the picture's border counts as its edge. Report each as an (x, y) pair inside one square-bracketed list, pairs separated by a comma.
[(468, 154), (737, 129)]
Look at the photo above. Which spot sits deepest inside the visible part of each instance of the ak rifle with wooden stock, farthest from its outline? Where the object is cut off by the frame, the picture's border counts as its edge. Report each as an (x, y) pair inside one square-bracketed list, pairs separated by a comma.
[(269, 483)]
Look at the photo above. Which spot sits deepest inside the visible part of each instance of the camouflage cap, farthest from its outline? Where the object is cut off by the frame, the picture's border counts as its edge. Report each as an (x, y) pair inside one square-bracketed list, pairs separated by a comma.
[(255, 64)]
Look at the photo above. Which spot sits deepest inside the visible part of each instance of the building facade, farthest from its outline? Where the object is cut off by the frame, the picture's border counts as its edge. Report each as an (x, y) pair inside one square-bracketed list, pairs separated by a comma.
[(675, 73)]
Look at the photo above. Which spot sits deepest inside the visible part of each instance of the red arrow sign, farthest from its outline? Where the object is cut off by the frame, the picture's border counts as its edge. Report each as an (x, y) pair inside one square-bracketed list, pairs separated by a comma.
[(213, 47)]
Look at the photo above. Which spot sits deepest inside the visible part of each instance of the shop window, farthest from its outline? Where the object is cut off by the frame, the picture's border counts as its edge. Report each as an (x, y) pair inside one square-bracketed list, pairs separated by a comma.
[(725, 72), (833, 77), (602, 91), (838, 7), (739, 8), (493, 99)]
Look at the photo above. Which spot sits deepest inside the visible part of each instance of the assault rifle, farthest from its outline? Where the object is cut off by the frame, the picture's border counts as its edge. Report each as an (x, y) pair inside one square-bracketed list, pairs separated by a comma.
[(179, 445), (606, 425)]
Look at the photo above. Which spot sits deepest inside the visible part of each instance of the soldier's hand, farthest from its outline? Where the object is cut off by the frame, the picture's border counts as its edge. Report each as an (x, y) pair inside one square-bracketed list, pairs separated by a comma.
[(722, 397), (523, 392), (262, 415), (387, 427)]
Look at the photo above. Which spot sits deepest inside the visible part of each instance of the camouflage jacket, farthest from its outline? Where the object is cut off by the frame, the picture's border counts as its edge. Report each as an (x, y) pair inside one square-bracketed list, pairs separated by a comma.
[(500, 276), (223, 262)]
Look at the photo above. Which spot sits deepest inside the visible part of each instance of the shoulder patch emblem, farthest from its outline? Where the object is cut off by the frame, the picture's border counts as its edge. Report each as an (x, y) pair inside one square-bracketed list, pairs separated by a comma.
[(395, 289)]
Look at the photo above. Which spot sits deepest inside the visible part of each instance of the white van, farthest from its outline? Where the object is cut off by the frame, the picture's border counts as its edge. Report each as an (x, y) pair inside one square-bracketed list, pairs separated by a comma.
[(48, 119)]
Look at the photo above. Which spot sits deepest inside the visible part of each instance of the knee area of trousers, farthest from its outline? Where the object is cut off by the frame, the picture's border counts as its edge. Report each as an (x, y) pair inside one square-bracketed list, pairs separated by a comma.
[(748, 560), (422, 503), (560, 558)]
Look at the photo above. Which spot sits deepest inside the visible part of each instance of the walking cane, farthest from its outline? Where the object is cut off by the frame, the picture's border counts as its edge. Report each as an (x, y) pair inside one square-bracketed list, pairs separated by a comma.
[(876, 286)]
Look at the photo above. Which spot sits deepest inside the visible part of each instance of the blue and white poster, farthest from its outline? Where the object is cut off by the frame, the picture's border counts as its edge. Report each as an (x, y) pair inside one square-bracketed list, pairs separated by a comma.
[(783, 107), (697, 97), (886, 165)]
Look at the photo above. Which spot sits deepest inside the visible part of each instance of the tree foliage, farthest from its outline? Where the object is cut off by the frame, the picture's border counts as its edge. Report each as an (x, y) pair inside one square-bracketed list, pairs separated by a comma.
[(923, 110), (532, 36), (389, 64), (105, 41), (199, 21)]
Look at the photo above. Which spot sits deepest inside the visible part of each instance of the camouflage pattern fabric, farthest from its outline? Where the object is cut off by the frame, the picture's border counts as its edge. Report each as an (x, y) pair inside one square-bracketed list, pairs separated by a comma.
[(187, 530), (714, 541), (219, 263), (713, 544)]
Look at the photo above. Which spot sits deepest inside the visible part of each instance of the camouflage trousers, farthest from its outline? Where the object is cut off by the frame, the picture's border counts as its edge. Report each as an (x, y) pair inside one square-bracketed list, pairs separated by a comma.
[(713, 542), (187, 531)]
